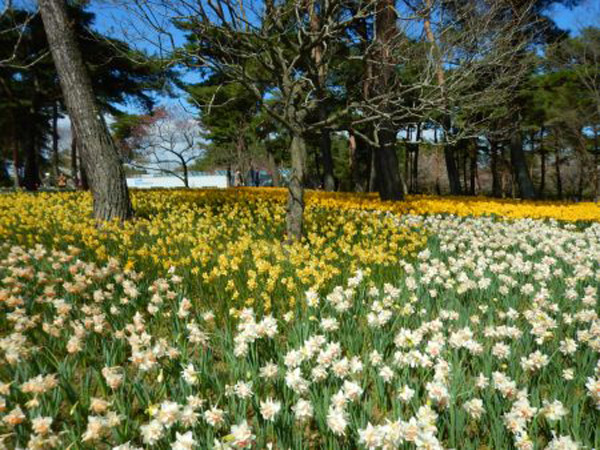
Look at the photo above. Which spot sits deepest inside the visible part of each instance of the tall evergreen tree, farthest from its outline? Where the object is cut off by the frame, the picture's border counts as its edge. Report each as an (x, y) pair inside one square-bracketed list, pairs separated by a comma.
[(32, 100)]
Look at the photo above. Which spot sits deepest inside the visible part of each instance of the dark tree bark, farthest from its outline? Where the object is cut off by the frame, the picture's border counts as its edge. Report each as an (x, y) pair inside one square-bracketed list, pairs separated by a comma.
[(364, 154), (473, 168), (372, 182), (186, 178), (415, 168), (99, 154), (352, 161), (328, 179), (496, 182), (581, 178), (295, 206), (55, 159), (31, 177), (325, 145), (582, 159), (5, 179), (389, 178), (452, 169), (519, 166), (596, 177), (274, 170), (15, 156), (371, 175), (557, 162), (240, 148), (317, 180), (74, 159), (596, 169), (408, 157), (542, 189), (465, 157), (84, 182), (508, 183)]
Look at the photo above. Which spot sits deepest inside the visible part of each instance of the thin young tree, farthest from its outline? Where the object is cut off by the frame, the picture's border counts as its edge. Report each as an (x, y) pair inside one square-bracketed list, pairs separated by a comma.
[(288, 53), (474, 48), (168, 142)]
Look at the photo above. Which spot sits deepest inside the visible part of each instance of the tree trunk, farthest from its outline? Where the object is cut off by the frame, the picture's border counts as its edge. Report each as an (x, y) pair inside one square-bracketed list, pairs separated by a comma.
[(365, 156), (465, 157), (389, 180), (508, 182), (596, 177), (596, 170), (186, 178), (415, 171), (100, 156), (15, 156), (542, 190), (274, 170), (328, 178), (496, 182), (452, 169), (5, 179), (240, 148), (31, 177), (408, 157), (352, 166), (559, 188), (295, 206), (317, 182), (473, 167), (16, 180), (55, 158), (581, 178), (74, 159), (325, 144), (372, 169), (519, 165), (83, 178)]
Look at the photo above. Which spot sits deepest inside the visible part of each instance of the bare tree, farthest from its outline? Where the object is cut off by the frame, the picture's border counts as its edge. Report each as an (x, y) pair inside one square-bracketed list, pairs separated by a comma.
[(99, 154), (440, 62), (274, 49), (16, 22), (283, 55), (475, 63), (168, 141)]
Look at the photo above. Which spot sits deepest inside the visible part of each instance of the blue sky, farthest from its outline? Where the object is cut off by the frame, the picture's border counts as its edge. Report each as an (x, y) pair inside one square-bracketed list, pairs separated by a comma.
[(586, 14), (113, 20)]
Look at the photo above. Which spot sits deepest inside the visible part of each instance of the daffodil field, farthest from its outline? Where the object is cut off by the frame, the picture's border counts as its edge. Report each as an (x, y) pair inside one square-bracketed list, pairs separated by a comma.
[(430, 323)]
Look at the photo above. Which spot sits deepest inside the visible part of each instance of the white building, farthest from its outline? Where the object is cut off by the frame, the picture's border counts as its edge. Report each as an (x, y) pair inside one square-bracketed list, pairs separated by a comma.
[(195, 181)]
